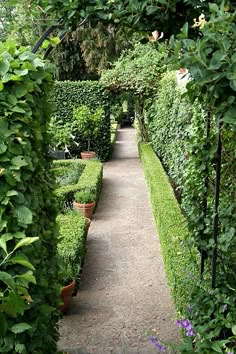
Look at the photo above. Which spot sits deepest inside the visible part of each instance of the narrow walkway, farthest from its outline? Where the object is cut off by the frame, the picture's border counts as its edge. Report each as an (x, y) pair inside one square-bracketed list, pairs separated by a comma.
[(124, 293)]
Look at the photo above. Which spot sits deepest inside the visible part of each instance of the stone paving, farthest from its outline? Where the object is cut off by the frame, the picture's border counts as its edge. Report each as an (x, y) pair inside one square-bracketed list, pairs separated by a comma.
[(124, 293)]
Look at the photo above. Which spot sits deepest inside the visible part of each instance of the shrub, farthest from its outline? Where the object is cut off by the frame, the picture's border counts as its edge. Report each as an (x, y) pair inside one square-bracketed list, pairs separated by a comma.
[(72, 242), (169, 117), (172, 229), (87, 123), (69, 95), (84, 197), (28, 271), (90, 179)]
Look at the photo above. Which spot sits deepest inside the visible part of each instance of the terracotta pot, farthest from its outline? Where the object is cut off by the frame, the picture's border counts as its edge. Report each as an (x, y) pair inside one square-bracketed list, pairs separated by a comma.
[(88, 155), (66, 295), (85, 209), (88, 223)]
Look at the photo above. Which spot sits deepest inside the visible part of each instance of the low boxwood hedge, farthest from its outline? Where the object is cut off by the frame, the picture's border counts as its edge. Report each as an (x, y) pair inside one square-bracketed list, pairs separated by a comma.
[(179, 259), (90, 179), (72, 240)]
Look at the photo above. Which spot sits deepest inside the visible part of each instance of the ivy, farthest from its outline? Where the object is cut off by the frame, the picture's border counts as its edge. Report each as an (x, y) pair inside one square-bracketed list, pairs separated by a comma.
[(28, 263), (68, 96)]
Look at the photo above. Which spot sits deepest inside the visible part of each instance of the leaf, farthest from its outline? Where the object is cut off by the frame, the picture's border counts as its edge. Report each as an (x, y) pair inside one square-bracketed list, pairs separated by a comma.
[(3, 148), (230, 115), (20, 327), (216, 347), (26, 242), (3, 325), (22, 261), (213, 8), (15, 304), (234, 329), (20, 91), (24, 216), (55, 41), (27, 56), (45, 44), (7, 279), (11, 193), (21, 72), (28, 276), (4, 66), (18, 109), (20, 348), (19, 161), (1, 86)]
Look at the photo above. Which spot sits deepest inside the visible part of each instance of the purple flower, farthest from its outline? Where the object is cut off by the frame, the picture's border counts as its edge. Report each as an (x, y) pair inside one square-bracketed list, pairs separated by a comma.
[(225, 306), (186, 324), (159, 346)]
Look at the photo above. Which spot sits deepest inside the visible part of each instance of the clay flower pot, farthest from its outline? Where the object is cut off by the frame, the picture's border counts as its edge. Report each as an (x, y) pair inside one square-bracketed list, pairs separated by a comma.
[(85, 209), (88, 155), (66, 295), (88, 223)]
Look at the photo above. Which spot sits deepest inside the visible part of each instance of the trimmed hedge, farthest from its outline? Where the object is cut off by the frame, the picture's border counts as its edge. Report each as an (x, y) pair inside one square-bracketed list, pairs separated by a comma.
[(172, 229), (72, 240), (90, 179), (68, 95)]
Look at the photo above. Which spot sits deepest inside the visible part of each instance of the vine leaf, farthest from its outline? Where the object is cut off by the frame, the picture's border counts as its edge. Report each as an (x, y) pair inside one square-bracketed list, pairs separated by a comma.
[(20, 327), (24, 217), (26, 242)]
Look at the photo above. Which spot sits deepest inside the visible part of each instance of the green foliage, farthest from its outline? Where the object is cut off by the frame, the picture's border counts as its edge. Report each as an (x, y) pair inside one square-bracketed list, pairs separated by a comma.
[(87, 123), (72, 243), (28, 262), (60, 137), (211, 62), (67, 96), (90, 179), (138, 70), (84, 197), (68, 174), (180, 257), (168, 118), (167, 15)]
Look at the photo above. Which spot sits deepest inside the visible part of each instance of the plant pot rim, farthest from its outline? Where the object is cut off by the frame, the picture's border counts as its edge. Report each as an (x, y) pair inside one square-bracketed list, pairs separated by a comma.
[(85, 205), (69, 285)]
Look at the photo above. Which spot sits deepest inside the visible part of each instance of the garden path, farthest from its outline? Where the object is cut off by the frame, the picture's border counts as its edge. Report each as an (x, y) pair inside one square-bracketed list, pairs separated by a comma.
[(123, 292)]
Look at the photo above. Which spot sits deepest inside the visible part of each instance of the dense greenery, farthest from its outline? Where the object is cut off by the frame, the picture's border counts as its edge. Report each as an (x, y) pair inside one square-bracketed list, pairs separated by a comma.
[(187, 148), (28, 269), (180, 260), (90, 179), (72, 243), (68, 96)]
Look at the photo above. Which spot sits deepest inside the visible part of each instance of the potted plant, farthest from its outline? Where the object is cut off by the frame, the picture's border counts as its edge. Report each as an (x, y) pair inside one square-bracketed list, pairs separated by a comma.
[(85, 203), (87, 123), (68, 281), (60, 136)]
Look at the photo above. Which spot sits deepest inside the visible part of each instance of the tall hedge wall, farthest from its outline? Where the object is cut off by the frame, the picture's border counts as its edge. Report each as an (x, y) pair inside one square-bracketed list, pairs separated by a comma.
[(28, 243), (68, 94)]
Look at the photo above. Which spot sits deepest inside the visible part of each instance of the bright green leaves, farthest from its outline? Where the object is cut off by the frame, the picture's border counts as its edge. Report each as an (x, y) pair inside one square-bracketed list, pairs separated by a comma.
[(23, 215), (4, 66), (26, 265)]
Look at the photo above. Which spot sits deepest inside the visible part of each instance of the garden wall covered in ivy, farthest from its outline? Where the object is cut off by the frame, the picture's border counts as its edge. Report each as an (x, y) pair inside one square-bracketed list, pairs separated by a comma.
[(69, 95)]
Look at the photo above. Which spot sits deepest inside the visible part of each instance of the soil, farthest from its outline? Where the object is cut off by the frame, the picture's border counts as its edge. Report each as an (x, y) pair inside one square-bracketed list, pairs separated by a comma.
[(124, 293)]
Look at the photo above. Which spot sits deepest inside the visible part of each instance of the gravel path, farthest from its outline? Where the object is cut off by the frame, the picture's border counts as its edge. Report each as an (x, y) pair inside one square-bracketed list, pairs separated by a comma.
[(123, 293)]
